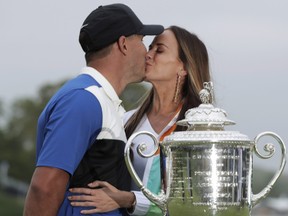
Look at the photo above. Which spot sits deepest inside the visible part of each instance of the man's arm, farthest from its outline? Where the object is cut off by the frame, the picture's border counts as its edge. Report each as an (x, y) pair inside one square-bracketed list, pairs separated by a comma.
[(46, 191)]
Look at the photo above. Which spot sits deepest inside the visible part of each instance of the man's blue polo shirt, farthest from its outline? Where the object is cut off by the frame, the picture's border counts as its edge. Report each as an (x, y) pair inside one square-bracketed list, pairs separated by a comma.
[(81, 131)]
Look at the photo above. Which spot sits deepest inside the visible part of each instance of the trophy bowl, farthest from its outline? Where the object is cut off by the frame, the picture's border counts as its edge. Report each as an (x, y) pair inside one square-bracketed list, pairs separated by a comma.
[(208, 171)]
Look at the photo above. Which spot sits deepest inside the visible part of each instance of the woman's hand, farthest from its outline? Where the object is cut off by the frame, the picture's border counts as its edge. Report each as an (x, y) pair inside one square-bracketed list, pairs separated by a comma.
[(100, 198), (105, 198)]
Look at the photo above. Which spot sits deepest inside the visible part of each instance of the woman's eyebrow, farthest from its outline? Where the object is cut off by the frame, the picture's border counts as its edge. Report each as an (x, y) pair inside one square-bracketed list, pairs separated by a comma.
[(161, 44)]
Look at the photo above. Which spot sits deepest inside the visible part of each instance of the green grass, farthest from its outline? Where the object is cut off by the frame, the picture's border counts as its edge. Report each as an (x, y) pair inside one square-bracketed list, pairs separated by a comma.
[(9, 205)]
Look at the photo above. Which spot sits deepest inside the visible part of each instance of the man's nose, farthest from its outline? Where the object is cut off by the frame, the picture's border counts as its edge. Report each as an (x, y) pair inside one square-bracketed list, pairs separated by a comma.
[(148, 56)]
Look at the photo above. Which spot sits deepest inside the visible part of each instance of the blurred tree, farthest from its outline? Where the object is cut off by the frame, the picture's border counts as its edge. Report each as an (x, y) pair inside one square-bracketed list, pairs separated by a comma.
[(1, 108), (133, 95), (2, 120), (1, 129), (262, 177), (19, 135)]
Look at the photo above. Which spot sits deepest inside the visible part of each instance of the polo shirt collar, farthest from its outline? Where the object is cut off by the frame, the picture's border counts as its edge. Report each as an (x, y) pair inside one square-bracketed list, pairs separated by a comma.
[(106, 86)]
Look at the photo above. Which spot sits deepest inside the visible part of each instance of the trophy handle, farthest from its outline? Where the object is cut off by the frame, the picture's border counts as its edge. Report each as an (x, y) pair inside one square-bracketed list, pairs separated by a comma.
[(160, 200), (271, 149)]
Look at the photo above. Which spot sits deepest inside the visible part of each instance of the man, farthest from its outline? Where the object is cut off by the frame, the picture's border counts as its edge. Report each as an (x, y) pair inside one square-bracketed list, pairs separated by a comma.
[(80, 132)]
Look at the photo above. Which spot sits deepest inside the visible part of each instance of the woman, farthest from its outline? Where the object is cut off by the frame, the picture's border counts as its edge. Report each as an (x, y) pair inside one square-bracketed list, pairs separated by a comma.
[(177, 65)]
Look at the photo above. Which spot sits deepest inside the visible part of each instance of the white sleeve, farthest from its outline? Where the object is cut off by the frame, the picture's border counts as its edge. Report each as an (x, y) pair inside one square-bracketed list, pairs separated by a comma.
[(142, 204)]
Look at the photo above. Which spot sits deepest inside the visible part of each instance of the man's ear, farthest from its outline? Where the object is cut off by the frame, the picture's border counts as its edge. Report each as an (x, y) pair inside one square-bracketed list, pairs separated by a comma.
[(122, 44)]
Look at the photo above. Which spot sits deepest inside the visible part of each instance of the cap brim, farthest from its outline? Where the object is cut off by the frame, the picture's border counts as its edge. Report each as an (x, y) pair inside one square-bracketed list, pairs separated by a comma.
[(151, 30)]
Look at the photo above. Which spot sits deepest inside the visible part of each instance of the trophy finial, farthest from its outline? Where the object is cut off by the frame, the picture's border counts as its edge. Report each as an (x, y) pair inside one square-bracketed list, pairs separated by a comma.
[(206, 94), (205, 116)]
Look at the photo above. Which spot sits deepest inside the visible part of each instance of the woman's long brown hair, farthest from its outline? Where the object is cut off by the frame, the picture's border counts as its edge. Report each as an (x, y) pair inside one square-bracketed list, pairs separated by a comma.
[(193, 53)]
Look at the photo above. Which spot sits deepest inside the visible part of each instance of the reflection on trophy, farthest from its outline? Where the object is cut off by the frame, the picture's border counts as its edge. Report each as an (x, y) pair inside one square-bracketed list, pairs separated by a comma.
[(208, 171)]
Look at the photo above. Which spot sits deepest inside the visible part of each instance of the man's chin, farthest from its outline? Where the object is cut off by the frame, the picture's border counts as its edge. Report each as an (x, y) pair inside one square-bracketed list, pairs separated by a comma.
[(140, 80)]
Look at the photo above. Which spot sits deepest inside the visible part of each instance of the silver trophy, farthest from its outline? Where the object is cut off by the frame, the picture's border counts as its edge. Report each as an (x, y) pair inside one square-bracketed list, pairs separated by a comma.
[(208, 171)]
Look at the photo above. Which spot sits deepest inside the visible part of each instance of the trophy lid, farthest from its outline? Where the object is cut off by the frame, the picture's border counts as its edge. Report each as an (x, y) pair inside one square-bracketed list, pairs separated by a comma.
[(206, 116)]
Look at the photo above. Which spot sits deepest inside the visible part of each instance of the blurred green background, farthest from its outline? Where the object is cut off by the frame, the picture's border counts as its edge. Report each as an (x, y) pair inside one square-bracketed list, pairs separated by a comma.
[(17, 147)]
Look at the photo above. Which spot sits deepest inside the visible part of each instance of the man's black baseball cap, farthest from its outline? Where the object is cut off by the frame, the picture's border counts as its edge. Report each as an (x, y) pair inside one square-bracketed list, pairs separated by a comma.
[(106, 24)]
